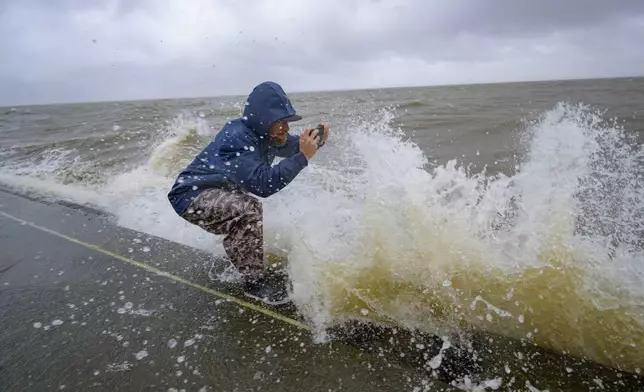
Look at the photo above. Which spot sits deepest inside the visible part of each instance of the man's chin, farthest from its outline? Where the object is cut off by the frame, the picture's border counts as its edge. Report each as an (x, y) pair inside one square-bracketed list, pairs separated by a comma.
[(279, 143)]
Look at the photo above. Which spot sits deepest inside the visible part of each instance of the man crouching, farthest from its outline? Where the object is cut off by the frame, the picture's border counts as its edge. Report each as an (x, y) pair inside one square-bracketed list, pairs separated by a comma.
[(217, 190)]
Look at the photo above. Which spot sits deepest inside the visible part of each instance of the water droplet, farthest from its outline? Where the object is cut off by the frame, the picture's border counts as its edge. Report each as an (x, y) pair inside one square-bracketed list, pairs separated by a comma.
[(141, 354)]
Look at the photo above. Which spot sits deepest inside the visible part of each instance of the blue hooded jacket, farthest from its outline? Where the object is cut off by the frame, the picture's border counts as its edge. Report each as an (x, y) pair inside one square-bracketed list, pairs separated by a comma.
[(241, 156)]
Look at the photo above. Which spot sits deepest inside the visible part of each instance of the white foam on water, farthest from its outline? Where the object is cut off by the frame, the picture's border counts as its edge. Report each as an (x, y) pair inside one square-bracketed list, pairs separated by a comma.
[(141, 354), (370, 233), (379, 232), (467, 385), (138, 198), (119, 367), (51, 188)]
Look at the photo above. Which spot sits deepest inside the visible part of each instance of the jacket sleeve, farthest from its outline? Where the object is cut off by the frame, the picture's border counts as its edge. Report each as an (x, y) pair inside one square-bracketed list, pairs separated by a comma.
[(291, 147), (248, 170)]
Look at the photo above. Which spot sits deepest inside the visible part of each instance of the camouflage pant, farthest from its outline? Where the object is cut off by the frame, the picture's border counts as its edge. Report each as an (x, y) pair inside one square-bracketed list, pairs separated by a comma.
[(238, 216)]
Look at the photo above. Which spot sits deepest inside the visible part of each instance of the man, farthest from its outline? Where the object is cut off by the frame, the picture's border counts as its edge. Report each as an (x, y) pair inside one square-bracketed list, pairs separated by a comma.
[(216, 190)]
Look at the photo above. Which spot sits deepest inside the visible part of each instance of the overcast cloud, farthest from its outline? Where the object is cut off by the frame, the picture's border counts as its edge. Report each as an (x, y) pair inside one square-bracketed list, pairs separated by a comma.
[(78, 50)]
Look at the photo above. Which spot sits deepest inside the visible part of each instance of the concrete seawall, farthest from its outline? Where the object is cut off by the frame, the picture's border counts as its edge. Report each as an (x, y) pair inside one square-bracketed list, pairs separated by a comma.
[(86, 305)]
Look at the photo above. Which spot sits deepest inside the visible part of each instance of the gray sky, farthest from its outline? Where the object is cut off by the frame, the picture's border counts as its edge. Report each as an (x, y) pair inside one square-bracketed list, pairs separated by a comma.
[(78, 50)]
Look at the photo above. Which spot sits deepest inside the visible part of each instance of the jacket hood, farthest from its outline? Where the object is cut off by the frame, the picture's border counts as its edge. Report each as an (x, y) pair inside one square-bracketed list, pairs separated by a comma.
[(266, 104)]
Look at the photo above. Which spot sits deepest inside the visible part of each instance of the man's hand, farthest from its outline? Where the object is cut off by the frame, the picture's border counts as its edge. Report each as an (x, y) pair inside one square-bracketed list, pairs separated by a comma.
[(308, 145)]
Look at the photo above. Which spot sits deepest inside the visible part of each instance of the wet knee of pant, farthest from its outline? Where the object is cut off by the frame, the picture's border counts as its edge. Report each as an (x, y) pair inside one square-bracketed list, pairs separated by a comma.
[(255, 208)]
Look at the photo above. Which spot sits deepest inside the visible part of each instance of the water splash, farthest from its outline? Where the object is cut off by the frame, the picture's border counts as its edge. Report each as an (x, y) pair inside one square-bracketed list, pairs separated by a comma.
[(551, 254), (425, 249), (138, 198)]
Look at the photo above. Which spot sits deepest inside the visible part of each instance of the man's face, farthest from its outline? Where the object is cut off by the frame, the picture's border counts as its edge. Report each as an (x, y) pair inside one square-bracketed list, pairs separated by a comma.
[(278, 132)]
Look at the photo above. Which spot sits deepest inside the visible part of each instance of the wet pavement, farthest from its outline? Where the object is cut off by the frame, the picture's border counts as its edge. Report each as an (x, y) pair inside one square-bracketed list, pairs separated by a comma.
[(76, 316), (86, 305)]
